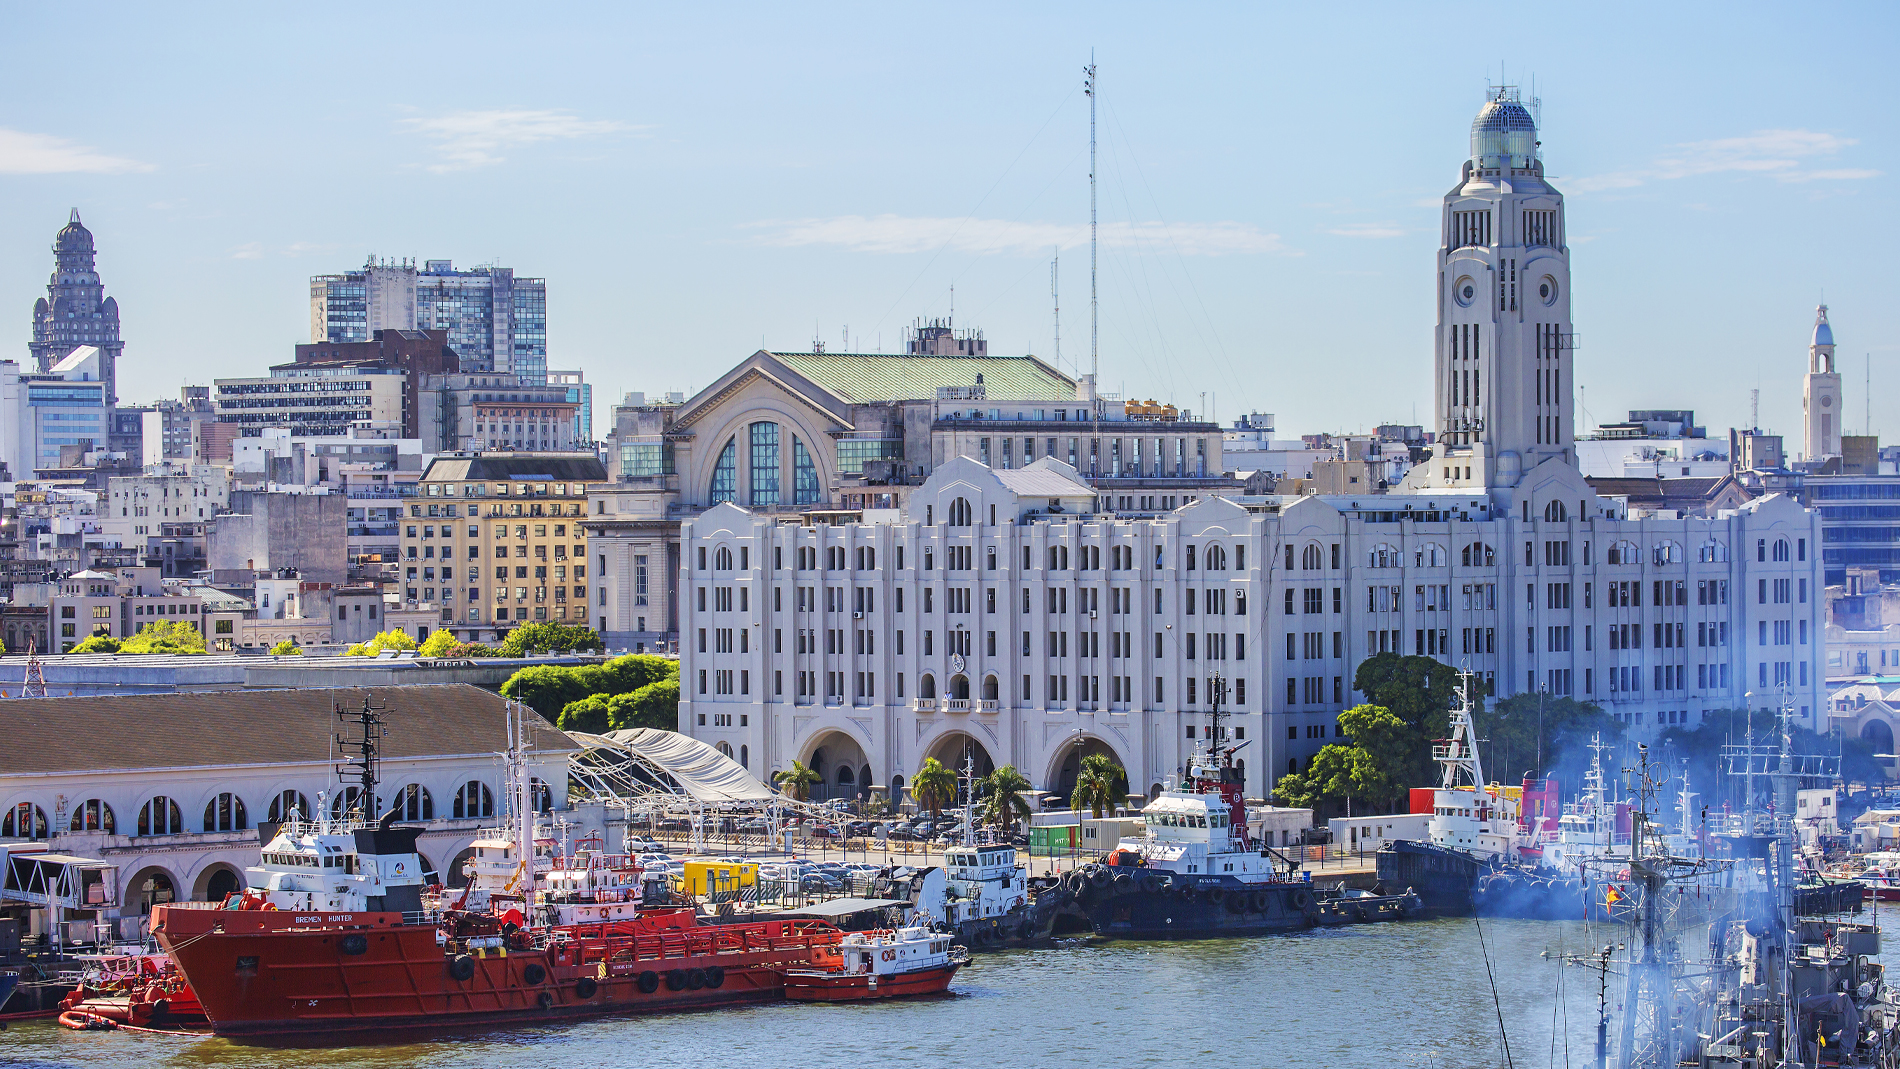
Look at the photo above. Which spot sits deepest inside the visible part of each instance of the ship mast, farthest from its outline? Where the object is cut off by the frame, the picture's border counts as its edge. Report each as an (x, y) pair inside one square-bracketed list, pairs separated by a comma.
[(364, 754)]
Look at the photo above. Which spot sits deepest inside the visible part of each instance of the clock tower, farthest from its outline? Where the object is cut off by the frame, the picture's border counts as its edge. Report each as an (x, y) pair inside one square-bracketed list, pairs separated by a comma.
[(1821, 393)]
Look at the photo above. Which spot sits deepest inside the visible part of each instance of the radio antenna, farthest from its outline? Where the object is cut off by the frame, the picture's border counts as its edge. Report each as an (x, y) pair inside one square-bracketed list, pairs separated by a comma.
[(1088, 86)]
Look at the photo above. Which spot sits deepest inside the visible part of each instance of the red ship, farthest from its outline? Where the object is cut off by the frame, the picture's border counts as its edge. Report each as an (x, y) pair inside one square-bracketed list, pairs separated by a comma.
[(270, 972), (868, 965)]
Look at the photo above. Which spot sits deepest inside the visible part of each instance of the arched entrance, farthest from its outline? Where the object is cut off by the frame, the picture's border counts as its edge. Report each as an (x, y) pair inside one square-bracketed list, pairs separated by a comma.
[(960, 686), (841, 764), (457, 876), (217, 881), (1879, 736), (990, 688), (961, 752), (1068, 763), (148, 888)]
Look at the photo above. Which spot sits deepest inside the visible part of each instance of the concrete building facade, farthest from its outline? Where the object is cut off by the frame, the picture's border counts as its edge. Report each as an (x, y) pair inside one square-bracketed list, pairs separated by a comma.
[(494, 320)]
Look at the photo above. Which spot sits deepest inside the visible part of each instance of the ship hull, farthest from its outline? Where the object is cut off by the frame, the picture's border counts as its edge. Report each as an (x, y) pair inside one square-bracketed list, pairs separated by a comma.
[(268, 981), (1147, 905), (1443, 878), (842, 987)]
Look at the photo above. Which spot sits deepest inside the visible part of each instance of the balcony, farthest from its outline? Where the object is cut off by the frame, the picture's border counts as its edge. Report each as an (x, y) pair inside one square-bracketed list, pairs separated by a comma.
[(924, 705), (988, 705), (956, 705)]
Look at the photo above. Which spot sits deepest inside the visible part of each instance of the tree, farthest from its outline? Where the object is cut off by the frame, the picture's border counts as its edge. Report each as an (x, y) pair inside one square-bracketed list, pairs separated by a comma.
[(589, 714), (1003, 803), (1418, 690), (795, 782), (98, 643), (551, 688), (1335, 774), (438, 644), (393, 639), (1391, 747), (550, 638), (656, 705), (286, 648), (1526, 729), (176, 638), (934, 786), (1099, 783)]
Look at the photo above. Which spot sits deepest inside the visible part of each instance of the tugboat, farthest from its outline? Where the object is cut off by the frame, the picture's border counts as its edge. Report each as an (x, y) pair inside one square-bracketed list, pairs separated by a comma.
[(1473, 831), (1196, 871), (885, 964)]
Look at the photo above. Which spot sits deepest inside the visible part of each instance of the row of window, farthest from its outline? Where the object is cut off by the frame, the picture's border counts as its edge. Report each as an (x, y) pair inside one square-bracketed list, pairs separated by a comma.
[(163, 815)]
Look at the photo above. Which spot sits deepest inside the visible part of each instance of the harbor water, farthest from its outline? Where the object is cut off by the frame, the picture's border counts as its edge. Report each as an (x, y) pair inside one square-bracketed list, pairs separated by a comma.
[(1368, 997)]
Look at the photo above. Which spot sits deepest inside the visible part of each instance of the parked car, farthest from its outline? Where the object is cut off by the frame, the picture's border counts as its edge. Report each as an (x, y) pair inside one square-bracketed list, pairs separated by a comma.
[(860, 828)]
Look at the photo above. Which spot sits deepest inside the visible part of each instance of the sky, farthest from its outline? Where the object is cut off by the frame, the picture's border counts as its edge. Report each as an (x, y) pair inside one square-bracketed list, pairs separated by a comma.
[(699, 182)]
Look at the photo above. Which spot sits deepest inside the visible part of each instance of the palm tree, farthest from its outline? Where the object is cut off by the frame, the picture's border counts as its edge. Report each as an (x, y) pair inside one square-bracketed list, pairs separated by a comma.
[(1097, 784), (795, 782), (1004, 807), (934, 787)]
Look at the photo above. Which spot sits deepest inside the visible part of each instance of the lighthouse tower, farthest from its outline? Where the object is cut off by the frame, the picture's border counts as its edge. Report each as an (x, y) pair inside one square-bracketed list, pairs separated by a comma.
[(1503, 367), (1821, 393)]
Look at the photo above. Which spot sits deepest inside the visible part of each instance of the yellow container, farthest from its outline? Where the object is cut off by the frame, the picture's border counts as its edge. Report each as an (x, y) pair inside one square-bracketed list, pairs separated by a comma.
[(707, 877)]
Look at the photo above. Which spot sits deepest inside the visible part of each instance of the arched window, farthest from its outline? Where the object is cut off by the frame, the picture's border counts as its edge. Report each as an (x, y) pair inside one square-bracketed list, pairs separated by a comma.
[(1666, 553), (1477, 555), (725, 477), (413, 803), (94, 815), (1781, 550), (804, 475), (1383, 555), (541, 798), (347, 801), (226, 813), (1624, 553), (723, 747), (1311, 559), (23, 821), (474, 800), (1430, 555), (161, 816), (1712, 552), (927, 687), (1555, 512), (722, 559), (960, 512), (1216, 558), (745, 756), (289, 805), (765, 464)]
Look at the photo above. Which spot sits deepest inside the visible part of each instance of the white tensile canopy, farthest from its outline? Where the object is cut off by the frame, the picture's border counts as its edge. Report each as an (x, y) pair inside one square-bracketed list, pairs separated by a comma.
[(652, 769)]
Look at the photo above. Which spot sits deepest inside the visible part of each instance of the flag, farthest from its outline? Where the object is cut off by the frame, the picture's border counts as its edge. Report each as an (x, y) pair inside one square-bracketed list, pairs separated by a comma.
[(1611, 898)]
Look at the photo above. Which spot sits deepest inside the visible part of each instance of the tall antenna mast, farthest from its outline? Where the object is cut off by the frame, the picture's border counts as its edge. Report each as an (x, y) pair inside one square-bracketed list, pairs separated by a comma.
[(1754, 410), (1055, 294), (1088, 86)]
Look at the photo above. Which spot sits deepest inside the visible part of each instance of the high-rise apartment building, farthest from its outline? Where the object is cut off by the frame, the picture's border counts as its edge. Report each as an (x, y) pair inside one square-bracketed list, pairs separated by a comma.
[(76, 311), (495, 321)]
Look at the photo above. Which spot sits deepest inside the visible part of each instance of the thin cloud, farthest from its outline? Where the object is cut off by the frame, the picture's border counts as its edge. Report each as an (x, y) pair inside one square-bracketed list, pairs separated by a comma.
[(470, 139), (910, 234), (250, 250), (1778, 154), (28, 153), (1369, 230)]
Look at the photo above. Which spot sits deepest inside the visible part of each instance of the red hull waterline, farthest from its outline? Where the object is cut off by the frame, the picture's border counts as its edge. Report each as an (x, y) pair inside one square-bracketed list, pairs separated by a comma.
[(265, 974), (843, 987)]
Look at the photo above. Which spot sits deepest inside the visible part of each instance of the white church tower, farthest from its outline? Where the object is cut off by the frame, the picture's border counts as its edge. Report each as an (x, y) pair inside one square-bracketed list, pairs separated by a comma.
[(1504, 344), (1821, 393)]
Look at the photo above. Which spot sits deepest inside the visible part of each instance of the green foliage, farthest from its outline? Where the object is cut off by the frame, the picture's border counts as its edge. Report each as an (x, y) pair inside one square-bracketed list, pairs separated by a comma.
[(1003, 802), (388, 640), (1335, 774), (99, 643), (286, 648), (1521, 735), (656, 705), (1397, 758), (472, 649), (550, 638), (438, 644), (1418, 690), (166, 637), (934, 786), (795, 782), (1099, 784), (549, 689), (588, 714)]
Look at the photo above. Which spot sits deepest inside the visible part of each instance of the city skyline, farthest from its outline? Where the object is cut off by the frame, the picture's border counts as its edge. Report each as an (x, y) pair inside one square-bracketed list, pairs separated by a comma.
[(700, 218)]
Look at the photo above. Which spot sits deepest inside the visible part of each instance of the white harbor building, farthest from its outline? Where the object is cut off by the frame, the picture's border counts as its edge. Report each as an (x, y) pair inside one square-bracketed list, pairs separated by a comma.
[(1011, 616)]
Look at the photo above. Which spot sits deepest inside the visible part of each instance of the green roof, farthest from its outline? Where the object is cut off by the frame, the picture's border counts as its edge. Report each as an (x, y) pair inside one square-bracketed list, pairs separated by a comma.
[(865, 377)]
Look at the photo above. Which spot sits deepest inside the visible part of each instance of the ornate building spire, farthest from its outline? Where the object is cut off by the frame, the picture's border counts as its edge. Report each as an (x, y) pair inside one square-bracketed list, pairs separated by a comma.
[(75, 310)]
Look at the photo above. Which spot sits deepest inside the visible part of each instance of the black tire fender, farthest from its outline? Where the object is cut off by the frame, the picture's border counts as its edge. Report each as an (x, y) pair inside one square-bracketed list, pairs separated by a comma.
[(648, 983), (533, 973), (545, 1000), (354, 943), (1299, 899), (585, 987), (676, 979), (716, 977), (695, 979), (462, 967)]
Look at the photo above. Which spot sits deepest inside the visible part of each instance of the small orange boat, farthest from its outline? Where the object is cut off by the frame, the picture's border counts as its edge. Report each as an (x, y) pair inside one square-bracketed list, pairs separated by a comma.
[(883, 964)]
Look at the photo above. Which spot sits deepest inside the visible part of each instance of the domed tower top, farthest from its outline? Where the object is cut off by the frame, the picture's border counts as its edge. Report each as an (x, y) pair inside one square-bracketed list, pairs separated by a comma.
[(1503, 135), (73, 237), (1823, 334)]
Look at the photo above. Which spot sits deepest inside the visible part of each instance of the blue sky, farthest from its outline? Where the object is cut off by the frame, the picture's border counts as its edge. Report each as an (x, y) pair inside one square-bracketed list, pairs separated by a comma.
[(695, 182)]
